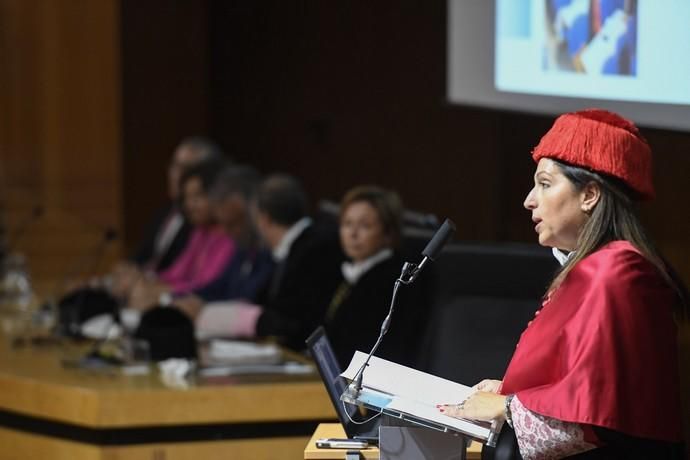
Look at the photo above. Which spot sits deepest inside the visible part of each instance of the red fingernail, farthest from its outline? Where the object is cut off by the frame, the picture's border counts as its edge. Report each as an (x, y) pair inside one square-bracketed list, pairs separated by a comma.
[(442, 410)]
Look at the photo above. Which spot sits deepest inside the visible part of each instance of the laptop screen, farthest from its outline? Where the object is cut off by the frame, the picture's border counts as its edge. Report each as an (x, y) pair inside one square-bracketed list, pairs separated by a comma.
[(322, 353)]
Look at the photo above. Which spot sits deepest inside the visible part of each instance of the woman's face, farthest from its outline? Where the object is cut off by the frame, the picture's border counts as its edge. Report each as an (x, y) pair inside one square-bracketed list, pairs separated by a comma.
[(361, 231), (183, 158), (196, 202), (556, 207)]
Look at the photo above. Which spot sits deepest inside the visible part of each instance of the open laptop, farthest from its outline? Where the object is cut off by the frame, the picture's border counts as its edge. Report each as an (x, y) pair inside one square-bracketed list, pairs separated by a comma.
[(322, 352)]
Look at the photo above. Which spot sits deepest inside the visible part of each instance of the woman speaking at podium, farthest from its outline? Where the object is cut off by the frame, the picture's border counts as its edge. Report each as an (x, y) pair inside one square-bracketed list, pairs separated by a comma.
[(595, 373)]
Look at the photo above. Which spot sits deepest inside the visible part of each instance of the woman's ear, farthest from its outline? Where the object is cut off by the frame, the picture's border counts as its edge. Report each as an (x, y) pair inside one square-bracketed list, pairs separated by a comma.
[(589, 197)]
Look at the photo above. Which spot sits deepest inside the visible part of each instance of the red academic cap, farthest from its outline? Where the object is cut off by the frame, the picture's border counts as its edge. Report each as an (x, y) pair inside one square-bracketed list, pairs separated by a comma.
[(604, 142)]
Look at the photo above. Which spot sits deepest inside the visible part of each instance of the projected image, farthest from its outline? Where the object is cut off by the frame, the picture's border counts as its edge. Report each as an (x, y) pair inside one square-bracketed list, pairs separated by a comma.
[(552, 56), (597, 37)]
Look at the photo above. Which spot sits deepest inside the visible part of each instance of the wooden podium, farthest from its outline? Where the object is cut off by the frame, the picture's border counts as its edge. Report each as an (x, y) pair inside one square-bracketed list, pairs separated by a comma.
[(335, 430)]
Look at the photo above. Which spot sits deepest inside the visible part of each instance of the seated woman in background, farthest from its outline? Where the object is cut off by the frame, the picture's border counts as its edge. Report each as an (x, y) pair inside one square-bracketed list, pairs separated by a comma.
[(167, 234), (370, 232), (207, 253)]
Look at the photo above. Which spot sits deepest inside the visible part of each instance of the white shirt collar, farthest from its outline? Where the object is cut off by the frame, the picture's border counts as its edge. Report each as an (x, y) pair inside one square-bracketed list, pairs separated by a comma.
[(352, 271), (281, 251), (561, 256)]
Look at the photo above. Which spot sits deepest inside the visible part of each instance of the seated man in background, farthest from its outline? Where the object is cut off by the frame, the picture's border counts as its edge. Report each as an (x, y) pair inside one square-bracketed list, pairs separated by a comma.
[(308, 261), (251, 266)]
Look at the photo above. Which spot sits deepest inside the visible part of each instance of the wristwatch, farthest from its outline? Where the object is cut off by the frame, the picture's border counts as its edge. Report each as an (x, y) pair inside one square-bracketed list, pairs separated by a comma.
[(509, 415)]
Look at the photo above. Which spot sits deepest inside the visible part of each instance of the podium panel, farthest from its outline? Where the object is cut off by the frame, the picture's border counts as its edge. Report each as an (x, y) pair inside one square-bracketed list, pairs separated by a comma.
[(335, 430), (415, 443)]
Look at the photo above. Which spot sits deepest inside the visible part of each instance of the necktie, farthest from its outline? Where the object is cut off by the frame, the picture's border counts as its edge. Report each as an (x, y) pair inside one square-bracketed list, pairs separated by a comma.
[(339, 296)]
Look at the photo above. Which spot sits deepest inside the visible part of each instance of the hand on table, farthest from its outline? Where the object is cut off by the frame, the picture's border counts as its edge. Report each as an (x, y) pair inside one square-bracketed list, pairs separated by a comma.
[(190, 305), (123, 278), (146, 294)]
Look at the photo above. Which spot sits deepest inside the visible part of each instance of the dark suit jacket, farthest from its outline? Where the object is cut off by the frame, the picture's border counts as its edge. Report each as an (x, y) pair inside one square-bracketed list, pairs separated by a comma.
[(356, 321), (145, 252), (307, 279), (247, 274)]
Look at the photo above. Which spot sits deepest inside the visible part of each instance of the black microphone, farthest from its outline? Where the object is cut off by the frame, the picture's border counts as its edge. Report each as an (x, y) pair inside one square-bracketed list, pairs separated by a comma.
[(19, 231), (109, 236), (433, 248), (88, 262), (409, 273)]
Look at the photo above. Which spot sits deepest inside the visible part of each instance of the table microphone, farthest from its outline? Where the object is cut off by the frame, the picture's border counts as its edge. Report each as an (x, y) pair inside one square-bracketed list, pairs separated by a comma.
[(409, 273), (88, 261), (20, 229)]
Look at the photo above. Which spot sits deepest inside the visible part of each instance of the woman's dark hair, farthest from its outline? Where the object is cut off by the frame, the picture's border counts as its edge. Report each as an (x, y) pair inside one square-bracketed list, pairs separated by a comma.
[(615, 217), (387, 204)]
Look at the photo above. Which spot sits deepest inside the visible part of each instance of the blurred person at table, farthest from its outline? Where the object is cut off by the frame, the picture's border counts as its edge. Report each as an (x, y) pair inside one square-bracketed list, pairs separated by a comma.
[(370, 234), (208, 251), (307, 257), (252, 266), (167, 233), (250, 269)]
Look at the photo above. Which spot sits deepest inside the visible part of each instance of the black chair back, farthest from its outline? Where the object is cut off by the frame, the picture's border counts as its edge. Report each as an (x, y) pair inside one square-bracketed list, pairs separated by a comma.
[(485, 295)]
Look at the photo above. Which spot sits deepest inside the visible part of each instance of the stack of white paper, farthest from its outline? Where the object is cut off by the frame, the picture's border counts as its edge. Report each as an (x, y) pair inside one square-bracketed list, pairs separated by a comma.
[(416, 393), (225, 352)]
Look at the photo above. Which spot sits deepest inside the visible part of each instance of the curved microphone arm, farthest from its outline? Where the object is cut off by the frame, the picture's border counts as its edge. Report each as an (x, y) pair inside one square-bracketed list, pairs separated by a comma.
[(408, 274), (357, 381)]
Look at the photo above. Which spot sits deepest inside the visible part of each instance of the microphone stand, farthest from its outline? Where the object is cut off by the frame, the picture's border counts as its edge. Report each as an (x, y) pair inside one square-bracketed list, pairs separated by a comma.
[(408, 274), (90, 260)]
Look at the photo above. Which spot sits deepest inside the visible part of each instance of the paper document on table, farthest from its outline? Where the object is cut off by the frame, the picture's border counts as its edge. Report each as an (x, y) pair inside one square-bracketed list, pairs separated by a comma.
[(288, 368), (416, 393), (242, 352)]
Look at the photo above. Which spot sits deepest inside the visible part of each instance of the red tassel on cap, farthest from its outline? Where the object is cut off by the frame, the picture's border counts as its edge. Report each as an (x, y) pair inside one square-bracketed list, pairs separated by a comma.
[(601, 141)]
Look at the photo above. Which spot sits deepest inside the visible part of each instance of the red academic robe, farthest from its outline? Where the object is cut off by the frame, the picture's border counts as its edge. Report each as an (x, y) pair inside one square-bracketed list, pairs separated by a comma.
[(602, 351)]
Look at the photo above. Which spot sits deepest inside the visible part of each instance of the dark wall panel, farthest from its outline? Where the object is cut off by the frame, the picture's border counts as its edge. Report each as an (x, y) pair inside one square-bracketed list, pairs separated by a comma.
[(349, 94), (165, 96), (353, 92)]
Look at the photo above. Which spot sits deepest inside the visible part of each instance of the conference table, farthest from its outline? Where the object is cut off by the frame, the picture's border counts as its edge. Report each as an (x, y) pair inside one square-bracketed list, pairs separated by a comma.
[(51, 409)]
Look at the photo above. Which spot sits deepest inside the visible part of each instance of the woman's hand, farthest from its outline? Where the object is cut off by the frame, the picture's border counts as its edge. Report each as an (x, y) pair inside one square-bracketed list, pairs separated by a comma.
[(481, 405), (123, 279), (145, 294), (190, 305), (492, 386)]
